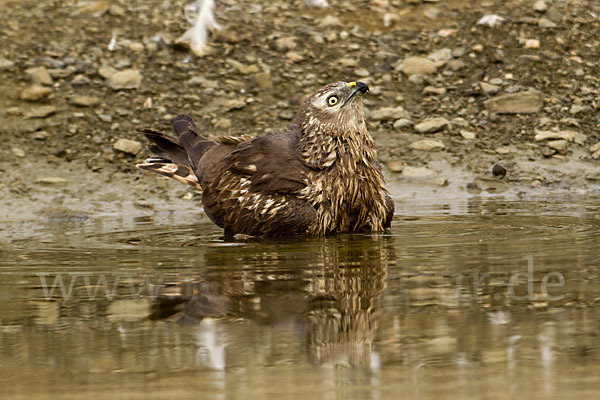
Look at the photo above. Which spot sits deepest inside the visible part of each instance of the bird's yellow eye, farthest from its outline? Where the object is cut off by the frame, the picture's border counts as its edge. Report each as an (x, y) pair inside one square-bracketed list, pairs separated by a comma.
[(332, 100)]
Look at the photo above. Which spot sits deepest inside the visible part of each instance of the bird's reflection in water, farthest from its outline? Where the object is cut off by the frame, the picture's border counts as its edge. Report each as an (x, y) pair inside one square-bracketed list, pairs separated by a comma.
[(328, 293)]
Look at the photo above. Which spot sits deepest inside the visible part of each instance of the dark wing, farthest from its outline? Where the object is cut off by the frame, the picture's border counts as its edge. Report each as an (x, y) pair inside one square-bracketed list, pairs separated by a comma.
[(253, 190), (271, 164)]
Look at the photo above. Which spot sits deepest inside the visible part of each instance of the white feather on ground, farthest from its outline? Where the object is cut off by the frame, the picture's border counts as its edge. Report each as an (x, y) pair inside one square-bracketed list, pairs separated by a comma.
[(201, 15)]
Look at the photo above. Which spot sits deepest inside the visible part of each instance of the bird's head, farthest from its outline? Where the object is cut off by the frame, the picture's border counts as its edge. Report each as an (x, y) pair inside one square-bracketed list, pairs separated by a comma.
[(334, 110)]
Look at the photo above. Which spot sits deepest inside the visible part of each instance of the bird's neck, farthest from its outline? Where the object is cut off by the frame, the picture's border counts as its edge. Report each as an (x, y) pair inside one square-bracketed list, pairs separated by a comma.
[(323, 148)]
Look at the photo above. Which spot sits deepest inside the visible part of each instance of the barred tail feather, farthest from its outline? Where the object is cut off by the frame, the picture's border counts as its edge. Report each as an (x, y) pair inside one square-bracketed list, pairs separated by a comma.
[(181, 173)]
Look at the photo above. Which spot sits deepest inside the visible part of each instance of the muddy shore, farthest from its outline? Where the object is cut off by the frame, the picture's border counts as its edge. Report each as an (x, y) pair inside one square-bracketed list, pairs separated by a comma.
[(451, 101)]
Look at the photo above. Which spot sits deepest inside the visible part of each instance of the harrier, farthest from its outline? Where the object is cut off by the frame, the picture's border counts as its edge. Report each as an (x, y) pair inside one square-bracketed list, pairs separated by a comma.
[(320, 176)]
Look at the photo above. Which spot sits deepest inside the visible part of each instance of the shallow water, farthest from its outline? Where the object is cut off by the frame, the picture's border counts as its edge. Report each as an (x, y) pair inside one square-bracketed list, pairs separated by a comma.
[(479, 299)]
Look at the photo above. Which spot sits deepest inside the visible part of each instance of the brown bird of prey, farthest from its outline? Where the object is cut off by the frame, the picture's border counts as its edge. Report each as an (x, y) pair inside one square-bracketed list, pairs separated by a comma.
[(320, 176)]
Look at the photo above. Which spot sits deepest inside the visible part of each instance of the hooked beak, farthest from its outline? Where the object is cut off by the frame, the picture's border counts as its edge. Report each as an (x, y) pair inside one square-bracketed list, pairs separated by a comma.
[(358, 88)]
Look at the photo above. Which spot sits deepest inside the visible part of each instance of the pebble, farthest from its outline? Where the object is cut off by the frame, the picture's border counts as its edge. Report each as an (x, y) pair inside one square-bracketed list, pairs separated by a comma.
[(418, 66), (395, 166), (128, 146), (85, 101), (432, 125), (555, 135), (499, 170), (286, 43), (223, 123), (39, 76), (427, 145), (233, 104), (80, 80), (40, 135), (39, 112), (528, 102), (418, 172), (106, 72), (18, 152), (126, 79), (594, 148), (5, 63), (263, 80), (402, 123), (95, 9), (389, 113), (330, 21), (545, 23), (560, 145), (440, 57), (294, 56), (532, 44), (488, 88), (467, 135), (51, 180), (35, 92), (540, 6), (576, 109), (242, 68)]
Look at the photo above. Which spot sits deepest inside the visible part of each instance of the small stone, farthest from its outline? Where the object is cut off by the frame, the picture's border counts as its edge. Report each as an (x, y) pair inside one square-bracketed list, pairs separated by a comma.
[(233, 104), (434, 90), (5, 63), (540, 6), (136, 47), (286, 43), (96, 9), (40, 112), (126, 79), (427, 145), (402, 123), (594, 148), (532, 44), (593, 176), (555, 135), (39, 76), (35, 92), (51, 180), (223, 123), (80, 80), (294, 56), (330, 21), (242, 68), (85, 101), (116, 10), (418, 66), (106, 72), (432, 125), (389, 113), (128, 146), (417, 172), (18, 152), (560, 145), (362, 72), (576, 109), (263, 80), (40, 135), (440, 57), (432, 13), (516, 103), (467, 135), (395, 166), (488, 88), (502, 150), (499, 171), (545, 23)]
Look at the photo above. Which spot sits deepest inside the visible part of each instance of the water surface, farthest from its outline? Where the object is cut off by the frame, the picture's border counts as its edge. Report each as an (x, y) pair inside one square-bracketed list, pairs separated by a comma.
[(480, 299)]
